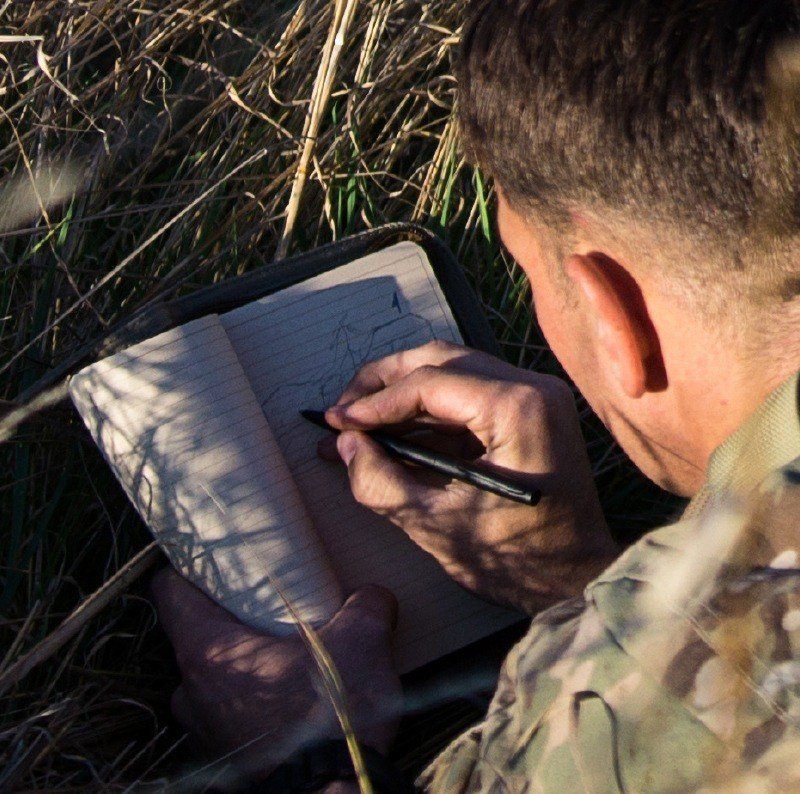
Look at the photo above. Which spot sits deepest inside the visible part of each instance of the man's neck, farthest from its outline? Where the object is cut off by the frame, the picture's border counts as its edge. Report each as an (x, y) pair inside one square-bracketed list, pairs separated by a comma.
[(722, 403)]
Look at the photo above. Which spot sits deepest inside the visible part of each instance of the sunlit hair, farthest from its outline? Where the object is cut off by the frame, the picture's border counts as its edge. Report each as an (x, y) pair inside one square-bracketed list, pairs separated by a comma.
[(662, 110)]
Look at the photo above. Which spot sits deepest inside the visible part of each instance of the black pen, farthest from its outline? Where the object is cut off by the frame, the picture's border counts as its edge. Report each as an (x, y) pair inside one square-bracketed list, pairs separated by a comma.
[(439, 462)]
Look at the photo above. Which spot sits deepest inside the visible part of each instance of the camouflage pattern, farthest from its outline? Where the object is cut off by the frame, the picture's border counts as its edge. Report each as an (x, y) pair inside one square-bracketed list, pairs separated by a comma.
[(679, 669)]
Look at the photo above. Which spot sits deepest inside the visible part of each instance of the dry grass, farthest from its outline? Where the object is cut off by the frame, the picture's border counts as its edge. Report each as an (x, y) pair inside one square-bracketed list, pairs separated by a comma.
[(206, 136)]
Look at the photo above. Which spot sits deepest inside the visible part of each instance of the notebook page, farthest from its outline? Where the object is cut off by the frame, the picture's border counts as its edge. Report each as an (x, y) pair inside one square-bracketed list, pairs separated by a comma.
[(299, 348), (178, 422)]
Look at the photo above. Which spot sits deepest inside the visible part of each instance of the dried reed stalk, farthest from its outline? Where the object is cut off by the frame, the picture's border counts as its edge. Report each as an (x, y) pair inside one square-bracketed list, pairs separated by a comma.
[(337, 36)]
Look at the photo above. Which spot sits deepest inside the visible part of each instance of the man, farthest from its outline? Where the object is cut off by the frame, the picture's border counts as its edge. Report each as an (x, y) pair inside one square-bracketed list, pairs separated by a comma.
[(647, 160)]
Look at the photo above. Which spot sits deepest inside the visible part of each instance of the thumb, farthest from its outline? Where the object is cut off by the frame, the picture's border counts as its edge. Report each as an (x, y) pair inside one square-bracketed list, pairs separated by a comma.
[(369, 613), (188, 616), (178, 601), (377, 482)]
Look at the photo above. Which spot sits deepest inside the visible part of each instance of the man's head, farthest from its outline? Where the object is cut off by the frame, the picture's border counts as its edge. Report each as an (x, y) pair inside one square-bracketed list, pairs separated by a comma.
[(647, 154)]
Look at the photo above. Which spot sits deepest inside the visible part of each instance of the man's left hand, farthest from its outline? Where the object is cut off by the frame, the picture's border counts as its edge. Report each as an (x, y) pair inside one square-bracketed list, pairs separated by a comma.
[(256, 698)]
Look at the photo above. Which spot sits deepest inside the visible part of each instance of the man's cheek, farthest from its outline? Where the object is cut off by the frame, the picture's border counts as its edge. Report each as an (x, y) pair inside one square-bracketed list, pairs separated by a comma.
[(569, 342), (554, 324)]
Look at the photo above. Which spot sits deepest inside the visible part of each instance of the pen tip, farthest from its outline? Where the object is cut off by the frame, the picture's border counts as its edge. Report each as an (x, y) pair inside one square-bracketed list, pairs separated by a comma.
[(315, 417)]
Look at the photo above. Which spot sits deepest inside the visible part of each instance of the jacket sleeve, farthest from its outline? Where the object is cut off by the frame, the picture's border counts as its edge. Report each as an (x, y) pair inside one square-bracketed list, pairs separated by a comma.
[(574, 711)]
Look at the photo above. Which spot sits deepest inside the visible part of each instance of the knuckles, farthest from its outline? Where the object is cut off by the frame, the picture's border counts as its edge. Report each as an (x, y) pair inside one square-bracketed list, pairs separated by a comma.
[(198, 660), (401, 362), (425, 372), (524, 400)]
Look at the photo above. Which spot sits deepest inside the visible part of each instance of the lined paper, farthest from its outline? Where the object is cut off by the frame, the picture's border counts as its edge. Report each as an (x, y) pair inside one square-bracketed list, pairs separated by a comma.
[(299, 348), (182, 430)]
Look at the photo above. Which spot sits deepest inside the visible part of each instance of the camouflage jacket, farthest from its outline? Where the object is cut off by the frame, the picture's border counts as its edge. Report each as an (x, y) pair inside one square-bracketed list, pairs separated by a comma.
[(680, 665)]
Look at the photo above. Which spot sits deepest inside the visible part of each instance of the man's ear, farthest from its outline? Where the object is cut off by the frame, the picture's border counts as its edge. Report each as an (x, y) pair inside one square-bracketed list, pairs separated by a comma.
[(626, 336)]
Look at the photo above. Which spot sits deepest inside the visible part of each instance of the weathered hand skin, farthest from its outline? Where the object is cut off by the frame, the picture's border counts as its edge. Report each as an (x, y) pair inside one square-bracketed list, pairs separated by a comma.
[(254, 699), (517, 421)]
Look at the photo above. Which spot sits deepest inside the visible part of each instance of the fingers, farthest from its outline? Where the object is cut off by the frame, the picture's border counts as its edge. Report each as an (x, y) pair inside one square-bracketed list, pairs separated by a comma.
[(437, 353), (378, 482), (377, 374), (184, 610), (371, 612), (447, 396), (360, 639)]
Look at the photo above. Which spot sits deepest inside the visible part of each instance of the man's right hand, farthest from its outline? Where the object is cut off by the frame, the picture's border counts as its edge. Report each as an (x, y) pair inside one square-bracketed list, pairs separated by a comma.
[(517, 421)]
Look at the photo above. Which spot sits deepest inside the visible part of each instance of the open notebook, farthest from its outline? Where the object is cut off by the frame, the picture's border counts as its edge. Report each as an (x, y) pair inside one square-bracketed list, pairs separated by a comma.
[(200, 425)]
